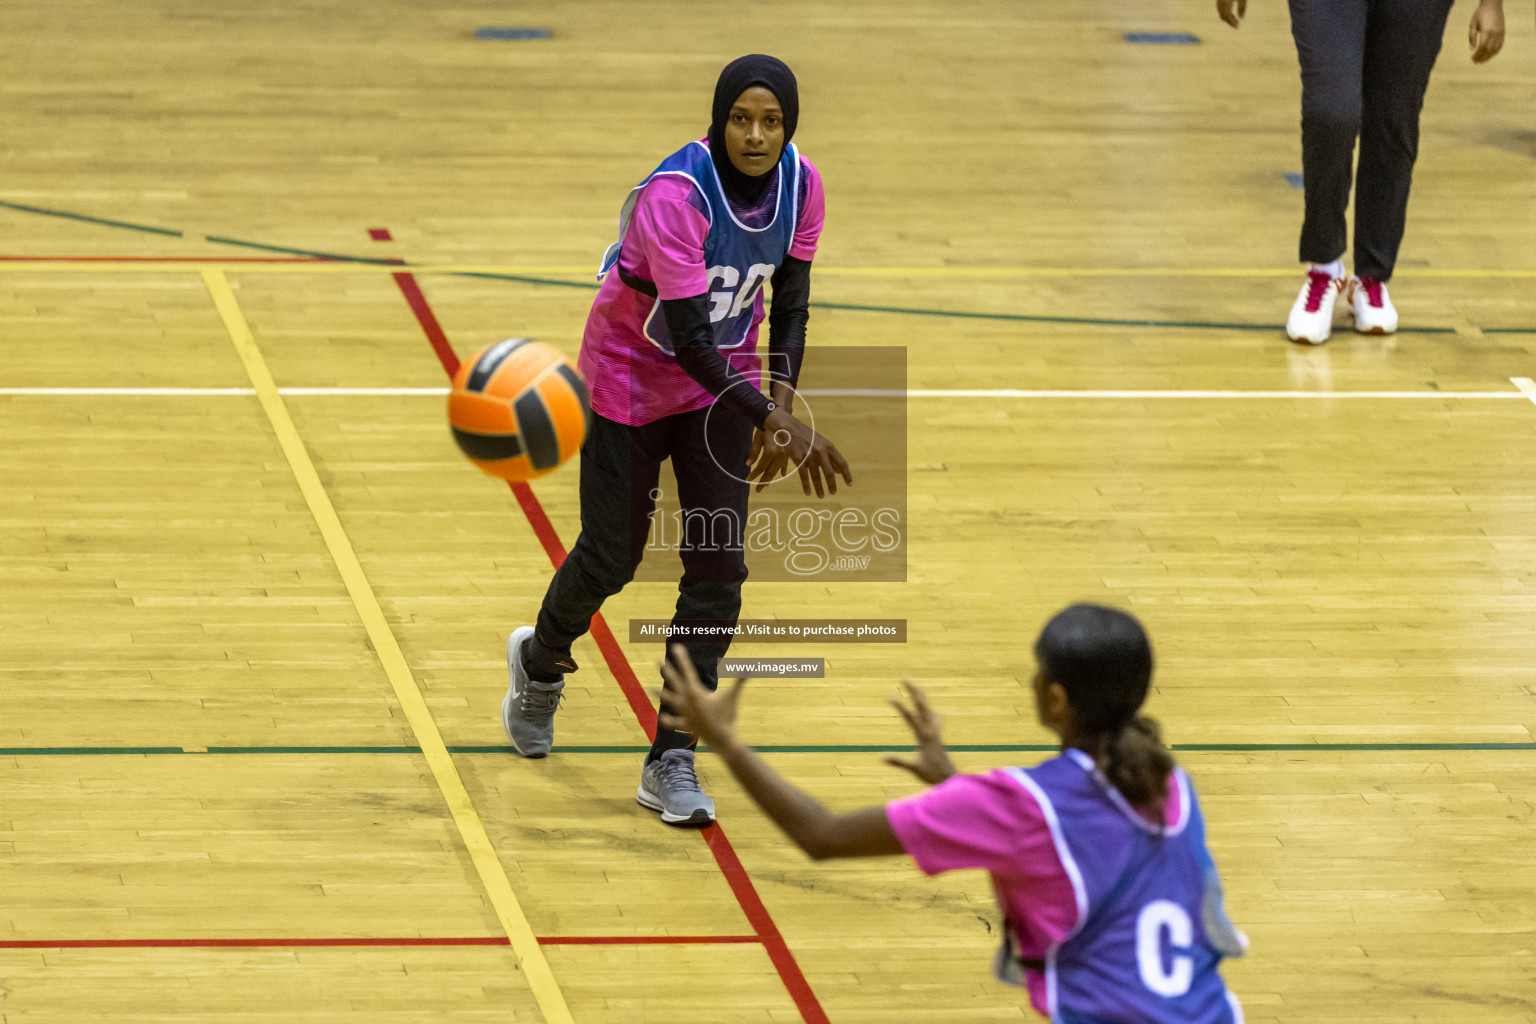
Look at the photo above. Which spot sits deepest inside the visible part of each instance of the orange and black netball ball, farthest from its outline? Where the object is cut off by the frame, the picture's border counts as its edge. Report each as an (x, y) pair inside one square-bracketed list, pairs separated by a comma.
[(518, 409)]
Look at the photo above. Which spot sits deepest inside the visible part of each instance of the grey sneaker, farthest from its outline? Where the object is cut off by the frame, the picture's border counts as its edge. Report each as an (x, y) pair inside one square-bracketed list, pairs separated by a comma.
[(670, 785), (528, 709)]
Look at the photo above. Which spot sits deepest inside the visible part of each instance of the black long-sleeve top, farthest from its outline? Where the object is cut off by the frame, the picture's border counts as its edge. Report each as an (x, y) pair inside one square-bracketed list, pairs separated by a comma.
[(693, 341)]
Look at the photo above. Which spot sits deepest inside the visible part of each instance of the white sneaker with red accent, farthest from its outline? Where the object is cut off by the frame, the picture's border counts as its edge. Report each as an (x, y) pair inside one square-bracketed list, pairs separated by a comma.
[(1311, 319), (1374, 312)]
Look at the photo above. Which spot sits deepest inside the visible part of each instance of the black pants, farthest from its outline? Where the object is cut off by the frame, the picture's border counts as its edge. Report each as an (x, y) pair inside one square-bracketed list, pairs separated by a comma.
[(1364, 67), (620, 467)]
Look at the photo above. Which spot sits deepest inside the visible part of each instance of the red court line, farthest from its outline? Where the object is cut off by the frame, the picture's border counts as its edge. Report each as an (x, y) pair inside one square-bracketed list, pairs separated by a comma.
[(473, 940), (418, 302), (639, 703), (725, 855), (470, 940), (167, 259), (543, 529)]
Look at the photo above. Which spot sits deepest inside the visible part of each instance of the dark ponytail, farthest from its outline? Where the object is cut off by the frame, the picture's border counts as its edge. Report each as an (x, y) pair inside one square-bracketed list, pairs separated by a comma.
[(1103, 659), (1136, 763)]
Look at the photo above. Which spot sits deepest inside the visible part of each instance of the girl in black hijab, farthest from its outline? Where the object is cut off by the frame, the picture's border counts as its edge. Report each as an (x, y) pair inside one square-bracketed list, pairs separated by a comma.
[(740, 75), (670, 358)]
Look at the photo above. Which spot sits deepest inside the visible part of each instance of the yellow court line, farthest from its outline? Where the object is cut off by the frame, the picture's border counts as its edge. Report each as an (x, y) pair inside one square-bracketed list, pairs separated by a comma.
[(586, 273), (493, 876)]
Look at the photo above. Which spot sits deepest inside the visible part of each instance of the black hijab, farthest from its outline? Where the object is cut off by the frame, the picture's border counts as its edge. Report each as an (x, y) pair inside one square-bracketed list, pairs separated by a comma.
[(740, 75)]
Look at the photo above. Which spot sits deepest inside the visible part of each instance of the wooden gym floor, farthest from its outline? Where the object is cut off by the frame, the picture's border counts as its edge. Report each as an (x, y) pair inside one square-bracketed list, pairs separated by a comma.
[(251, 634)]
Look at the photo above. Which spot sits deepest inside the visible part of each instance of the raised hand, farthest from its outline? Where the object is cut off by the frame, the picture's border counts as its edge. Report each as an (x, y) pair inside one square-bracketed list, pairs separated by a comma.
[(931, 760), (709, 716)]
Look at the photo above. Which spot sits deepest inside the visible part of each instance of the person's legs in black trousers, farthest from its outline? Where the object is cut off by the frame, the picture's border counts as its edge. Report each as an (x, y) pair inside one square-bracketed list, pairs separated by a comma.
[(619, 469), (709, 451), (1330, 42), (1402, 41)]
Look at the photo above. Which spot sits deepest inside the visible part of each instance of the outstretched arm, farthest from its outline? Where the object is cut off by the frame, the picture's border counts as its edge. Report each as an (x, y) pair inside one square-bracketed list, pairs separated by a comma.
[(819, 832)]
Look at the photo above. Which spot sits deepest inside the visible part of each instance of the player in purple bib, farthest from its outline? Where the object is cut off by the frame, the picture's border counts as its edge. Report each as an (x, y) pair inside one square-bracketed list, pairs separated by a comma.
[(1113, 910), (670, 357)]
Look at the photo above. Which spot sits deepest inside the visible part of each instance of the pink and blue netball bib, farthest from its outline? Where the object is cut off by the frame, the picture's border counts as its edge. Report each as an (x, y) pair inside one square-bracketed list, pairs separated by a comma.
[(1151, 928), (739, 259)]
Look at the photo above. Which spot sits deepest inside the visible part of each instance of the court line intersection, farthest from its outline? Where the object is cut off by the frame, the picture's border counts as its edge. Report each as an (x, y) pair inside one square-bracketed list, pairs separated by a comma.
[(439, 754), (477, 842), (788, 748), (322, 257), (740, 883)]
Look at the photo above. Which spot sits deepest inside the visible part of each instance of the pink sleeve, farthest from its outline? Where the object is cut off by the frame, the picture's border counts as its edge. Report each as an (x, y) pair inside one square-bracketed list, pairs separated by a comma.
[(667, 235), (976, 821), (808, 227)]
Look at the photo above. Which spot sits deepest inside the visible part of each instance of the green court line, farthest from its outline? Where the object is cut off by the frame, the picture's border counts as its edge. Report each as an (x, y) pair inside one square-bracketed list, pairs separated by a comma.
[(972, 315), (80, 751), (811, 748), (502, 748), (1092, 321), (65, 214), (1017, 748), (845, 306), (1201, 747), (289, 250), (589, 286), (1241, 747), (309, 750)]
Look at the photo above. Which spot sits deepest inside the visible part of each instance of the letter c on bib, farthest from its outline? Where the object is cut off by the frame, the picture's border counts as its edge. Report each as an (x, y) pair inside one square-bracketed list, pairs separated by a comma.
[(1174, 977)]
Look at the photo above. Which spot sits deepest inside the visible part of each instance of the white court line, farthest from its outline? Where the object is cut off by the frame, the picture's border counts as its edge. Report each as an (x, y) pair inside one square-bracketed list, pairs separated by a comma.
[(216, 392), (1527, 389), (382, 392), (1100, 393), (196, 392)]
